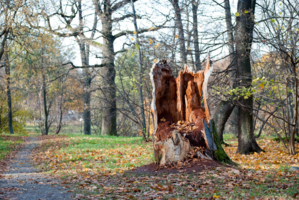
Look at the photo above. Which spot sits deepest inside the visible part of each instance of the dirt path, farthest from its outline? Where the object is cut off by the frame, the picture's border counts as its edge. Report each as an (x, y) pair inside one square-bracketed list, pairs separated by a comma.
[(23, 181)]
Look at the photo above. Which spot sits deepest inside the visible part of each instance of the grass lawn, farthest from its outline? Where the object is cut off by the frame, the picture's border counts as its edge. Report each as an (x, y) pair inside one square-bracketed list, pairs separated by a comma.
[(8, 143), (95, 166)]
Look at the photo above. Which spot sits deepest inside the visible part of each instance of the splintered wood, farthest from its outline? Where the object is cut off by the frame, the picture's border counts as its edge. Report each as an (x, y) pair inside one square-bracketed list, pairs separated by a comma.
[(179, 118), (184, 128)]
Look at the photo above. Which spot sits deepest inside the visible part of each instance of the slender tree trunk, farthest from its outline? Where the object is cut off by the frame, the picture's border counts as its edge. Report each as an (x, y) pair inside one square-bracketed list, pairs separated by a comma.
[(84, 51), (108, 74), (221, 116), (231, 48), (175, 4), (46, 130), (195, 35), (86, 93), (58, 128), (173, 51), (295, 118), (7, 70), (291, 106), (1, 111), (243, 36), (143, 122), (189, 35), (0, 116), (262, 127), (44, 91), (225, 108)]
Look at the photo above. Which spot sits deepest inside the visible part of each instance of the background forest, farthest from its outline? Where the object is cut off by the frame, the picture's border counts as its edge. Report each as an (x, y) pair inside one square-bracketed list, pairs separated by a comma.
[(83, 66), (76, 92)]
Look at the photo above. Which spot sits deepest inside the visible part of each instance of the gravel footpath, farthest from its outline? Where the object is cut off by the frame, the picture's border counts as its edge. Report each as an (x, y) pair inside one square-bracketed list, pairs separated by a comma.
[(23, 181)]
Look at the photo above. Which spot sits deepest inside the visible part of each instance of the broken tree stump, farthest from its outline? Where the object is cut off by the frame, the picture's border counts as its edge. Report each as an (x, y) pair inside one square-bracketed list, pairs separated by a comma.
[(180, 120)]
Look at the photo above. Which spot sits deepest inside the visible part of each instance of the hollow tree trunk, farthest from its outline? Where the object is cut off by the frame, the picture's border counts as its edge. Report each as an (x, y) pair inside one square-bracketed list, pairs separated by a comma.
[(180, 121)]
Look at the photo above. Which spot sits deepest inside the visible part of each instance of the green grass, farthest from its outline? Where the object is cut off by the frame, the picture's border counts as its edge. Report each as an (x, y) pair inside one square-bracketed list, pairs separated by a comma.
[(32, 129), (8, 143), (107, 154), (228, 136)]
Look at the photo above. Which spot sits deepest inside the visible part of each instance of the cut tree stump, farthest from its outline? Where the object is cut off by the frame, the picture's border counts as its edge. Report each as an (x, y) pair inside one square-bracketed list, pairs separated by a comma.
[(180, 120)]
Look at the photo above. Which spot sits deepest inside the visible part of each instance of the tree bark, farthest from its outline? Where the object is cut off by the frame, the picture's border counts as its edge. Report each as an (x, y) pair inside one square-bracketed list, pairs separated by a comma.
[(243, 36)]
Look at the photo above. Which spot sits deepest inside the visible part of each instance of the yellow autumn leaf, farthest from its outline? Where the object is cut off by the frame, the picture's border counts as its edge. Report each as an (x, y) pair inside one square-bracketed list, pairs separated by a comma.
[(189, 48), (176, 36), (155, 60), (132, 39), (215, 196), (151, 28), (151, 41), (156, 46), (246, 11), (237, 14), (163, 119), (134, 32), (262, 86)]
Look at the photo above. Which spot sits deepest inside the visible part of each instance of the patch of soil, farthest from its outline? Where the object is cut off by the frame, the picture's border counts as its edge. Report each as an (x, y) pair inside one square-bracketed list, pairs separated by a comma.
[(191, 166)]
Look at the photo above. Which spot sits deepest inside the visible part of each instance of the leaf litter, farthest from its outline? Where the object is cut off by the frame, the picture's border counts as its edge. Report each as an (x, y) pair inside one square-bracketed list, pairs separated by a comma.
[(90, 173)]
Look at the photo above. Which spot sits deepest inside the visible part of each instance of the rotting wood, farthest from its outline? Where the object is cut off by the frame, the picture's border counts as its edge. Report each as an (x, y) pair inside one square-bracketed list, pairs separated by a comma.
[(180, 119)]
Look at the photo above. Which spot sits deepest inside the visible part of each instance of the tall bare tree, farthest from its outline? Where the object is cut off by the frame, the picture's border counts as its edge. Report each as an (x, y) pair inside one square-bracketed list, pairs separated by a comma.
[(179, 24), (244, 37)]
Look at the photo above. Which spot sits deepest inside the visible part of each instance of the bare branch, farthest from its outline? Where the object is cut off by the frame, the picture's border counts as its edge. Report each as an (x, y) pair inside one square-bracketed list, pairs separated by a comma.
[(121, 4)]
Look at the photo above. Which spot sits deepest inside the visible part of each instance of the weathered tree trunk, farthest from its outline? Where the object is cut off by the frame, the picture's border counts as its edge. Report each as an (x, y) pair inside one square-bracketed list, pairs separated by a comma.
[(243, 36), (180, 120)]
